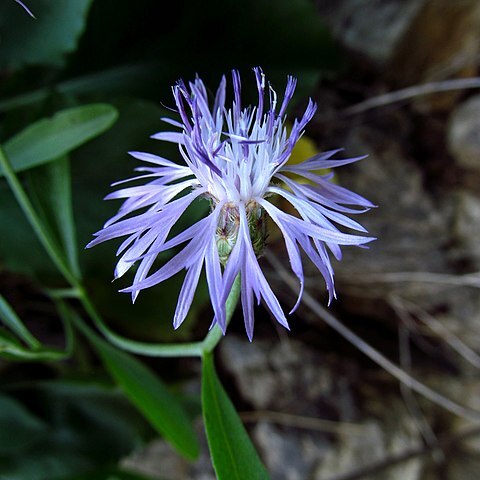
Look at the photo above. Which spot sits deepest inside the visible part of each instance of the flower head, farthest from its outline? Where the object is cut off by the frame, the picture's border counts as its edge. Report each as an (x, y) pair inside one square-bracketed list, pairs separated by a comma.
[(236, 158)]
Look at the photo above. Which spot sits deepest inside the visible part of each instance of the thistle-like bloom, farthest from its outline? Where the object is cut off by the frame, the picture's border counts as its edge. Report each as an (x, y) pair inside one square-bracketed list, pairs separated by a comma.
[(236, 158)]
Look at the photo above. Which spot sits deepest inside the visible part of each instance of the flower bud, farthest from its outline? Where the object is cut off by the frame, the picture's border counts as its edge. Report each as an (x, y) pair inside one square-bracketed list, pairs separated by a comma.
[(228, 226)]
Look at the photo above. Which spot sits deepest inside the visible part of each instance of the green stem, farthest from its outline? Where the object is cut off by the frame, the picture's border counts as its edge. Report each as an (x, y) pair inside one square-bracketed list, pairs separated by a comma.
[(190, 349)]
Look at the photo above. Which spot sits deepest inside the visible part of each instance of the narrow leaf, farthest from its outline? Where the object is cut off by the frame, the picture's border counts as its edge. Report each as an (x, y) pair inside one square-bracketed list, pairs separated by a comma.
[(10, 319), (12, 349), (50, 138), (51, 195), (145, 390), (233, 455), (20, 353)]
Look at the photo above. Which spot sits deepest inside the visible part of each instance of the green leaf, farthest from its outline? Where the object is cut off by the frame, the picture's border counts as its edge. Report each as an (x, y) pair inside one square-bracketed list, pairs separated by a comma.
[(13, 322), (43, 41), (12, 349), (51, 138), (51, 195), (18, 427), (233, 455), (130, 77), (20, 353), (113, 474), (90, 427), (144, 390)]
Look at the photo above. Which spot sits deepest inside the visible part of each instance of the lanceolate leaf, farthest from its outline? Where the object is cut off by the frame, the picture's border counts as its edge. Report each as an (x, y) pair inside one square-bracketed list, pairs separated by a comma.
[(233, 455), (50, 191), (51, 138), (145, 390), (12, 348), (152, 398), (10, 319)]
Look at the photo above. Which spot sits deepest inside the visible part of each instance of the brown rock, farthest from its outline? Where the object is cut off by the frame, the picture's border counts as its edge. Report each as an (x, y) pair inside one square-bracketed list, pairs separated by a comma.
[(464, 134), (442, 42)]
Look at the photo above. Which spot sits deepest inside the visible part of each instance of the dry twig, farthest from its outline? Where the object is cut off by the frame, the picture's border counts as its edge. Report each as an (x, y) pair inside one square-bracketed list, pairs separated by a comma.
[(411, 92)]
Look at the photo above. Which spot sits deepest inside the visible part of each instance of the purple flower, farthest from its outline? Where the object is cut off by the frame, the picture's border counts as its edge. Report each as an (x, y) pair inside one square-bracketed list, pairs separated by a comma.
[(236, 159)]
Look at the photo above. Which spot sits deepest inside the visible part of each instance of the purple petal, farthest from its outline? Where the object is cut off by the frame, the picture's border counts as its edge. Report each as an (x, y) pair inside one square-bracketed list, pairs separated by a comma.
[(187, 293), (173, 137)]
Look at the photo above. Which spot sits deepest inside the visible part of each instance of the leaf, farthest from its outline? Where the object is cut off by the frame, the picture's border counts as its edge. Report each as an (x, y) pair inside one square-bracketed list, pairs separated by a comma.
[(145, 390), (90, 427), (51, 138), (233, 455), (44, 41), (114, 474), (51, 195), (9, 318), (130, 77), (12, 349), (18, 427)]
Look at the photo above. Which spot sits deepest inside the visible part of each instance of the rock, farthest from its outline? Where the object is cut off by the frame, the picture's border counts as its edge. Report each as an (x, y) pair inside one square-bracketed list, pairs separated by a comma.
[(290, 377), (464, 467), (159, 460), (442, 42), (311, 385), (463, 134), (392, 435), (412, 231), (410, 41), (372, 28), (274, 375), (466, 230), (443, 39), (290, 454)]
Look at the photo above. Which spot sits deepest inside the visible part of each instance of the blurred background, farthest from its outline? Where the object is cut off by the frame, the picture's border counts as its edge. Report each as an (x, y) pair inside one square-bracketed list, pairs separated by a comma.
[(315, 407)]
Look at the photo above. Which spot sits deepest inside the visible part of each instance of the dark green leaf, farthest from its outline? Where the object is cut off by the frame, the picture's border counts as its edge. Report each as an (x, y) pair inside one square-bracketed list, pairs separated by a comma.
[(51, 138), (18, 427), (12, 349), (145, 390), (10, 319), (43, 41), (233, 455), (20, 251), (114, 474), (20, 353), (90, 427), (51, 195)]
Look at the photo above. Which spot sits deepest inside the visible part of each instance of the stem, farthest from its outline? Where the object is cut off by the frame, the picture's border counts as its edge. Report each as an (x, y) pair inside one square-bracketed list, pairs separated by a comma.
[(193, 349), (190, 349)]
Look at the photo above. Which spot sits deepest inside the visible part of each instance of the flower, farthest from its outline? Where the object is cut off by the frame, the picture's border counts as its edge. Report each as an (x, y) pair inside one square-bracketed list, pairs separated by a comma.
[(236, 158)]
